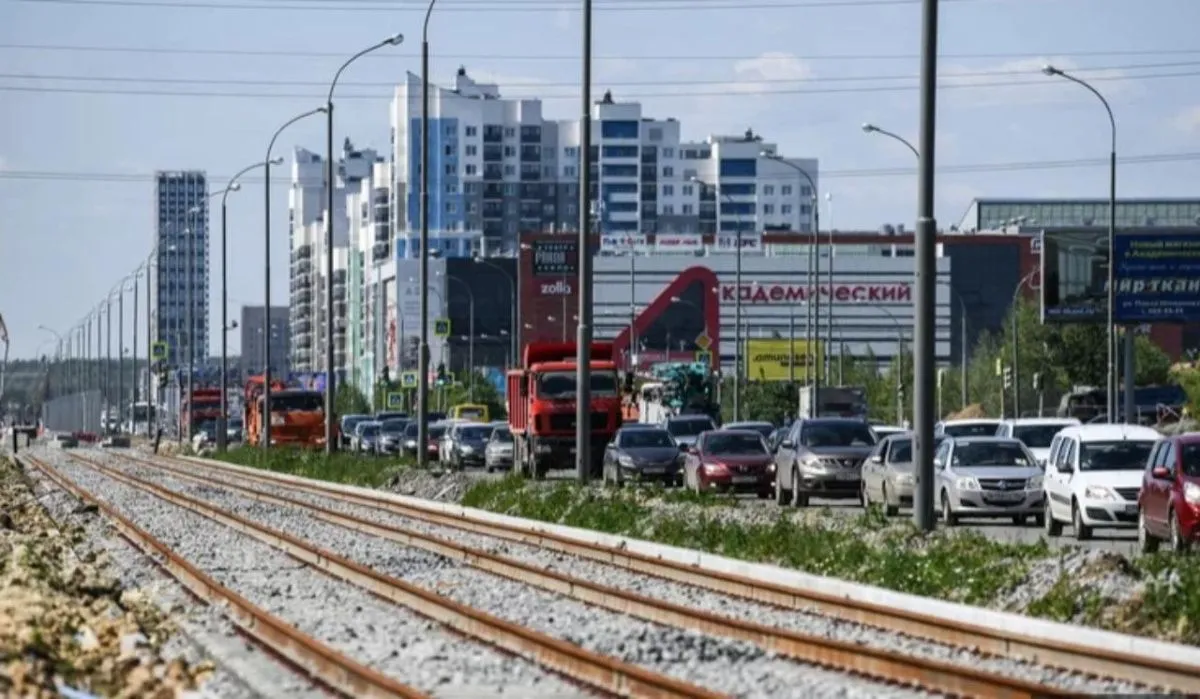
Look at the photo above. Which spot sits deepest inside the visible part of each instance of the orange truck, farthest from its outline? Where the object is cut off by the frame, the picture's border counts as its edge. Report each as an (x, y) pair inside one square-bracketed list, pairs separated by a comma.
[(297, 416), (541, 406)]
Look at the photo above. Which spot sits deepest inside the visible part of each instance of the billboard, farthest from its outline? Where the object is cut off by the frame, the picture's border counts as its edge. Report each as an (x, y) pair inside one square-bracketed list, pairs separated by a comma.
[(773, 359), (555, 258), (1156, 273)]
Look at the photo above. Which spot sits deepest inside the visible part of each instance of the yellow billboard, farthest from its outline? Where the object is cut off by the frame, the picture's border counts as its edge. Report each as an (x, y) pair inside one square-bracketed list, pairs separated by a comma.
[(772, 360)]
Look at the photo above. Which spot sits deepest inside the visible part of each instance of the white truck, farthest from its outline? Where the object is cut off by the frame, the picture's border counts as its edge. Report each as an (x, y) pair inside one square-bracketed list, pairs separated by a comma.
[(833, 401)]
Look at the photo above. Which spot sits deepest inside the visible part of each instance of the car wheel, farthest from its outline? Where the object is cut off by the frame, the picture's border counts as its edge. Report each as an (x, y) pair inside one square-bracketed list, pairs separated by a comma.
[(1146, 541), (864, 495), (799, 499), (888, 508), (948, 515), (1082, 531), (1018, 520), (1039, 520), (1052, 526), (1178, 543)]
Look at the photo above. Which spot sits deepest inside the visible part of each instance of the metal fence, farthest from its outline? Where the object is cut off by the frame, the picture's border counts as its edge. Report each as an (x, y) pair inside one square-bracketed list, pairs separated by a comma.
[(76, 412)]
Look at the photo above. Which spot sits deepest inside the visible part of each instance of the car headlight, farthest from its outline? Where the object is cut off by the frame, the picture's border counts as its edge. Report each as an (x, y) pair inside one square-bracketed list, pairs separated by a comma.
[(771, 467), (904, 478), (1191, 493), (966, 483), (467, 449), (713, 468), (1097, 492), (625, 461), (1034, 483), (814, 464)]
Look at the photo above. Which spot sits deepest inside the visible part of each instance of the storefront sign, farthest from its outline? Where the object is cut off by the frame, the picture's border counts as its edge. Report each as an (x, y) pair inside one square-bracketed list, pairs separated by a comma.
[(750, 242), (842, 293), (558, 288), (624, 243), (781, 360), (674, 242), (555, 258)]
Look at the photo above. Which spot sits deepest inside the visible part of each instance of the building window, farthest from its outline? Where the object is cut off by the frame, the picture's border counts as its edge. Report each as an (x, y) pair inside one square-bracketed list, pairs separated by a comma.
[(805, 191), (623, 129), (451, 188), (451, 208), (510, 170), (509, 132), (510, 151), (768, 189), (668, 210), (786, 209), (472, 131), (569, 172), (472, 170), (668, 190), (620, 151), (668, 152), (768, 209), (548, 172), (472, 150), (786, 190), (449, 129), (449, 169), (688, 190), (668, 172), (571, 152), (687, 209)]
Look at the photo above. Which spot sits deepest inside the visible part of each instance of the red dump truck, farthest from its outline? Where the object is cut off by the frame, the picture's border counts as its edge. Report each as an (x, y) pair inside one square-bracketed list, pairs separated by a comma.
[(202, 410), (541, 406)]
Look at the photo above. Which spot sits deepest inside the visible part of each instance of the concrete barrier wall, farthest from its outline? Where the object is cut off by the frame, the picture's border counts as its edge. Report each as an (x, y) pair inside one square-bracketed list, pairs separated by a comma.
[(78, 412)]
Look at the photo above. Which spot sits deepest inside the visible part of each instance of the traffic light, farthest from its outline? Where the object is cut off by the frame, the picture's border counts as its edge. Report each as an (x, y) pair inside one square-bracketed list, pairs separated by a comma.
[(386, 376), (1037, 380), (441, 379), (1008, 377)]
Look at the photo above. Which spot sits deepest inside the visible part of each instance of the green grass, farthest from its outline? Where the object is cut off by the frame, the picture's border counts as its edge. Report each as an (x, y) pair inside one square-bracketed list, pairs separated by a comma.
[(961, 566), (341, 467)]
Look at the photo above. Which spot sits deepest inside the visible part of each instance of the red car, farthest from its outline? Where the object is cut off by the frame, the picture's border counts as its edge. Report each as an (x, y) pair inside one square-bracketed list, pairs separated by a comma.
[(1169, 502), (730, 460)]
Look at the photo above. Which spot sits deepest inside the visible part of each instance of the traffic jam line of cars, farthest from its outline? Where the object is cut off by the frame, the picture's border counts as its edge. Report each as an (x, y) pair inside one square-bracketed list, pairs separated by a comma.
[(1051, 472)]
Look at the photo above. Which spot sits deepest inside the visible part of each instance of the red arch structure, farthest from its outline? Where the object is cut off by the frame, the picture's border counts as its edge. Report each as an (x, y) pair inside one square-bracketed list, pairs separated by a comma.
[(709, 302)]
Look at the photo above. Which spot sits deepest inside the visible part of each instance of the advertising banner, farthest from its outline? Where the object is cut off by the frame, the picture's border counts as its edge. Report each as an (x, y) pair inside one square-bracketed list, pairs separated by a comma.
[(678, 242), (1157, 275), (773, 359), (555, 258), (623, 243), (751, 241)]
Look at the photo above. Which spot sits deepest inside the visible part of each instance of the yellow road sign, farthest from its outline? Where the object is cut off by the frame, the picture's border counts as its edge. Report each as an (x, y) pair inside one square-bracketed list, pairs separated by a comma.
[(772, 359)]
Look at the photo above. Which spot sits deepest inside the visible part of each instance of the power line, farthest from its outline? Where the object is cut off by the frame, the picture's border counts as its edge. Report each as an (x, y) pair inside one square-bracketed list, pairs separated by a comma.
[(404, 56), (633, 83), (1020, 166), (498, 5), (632, 96)]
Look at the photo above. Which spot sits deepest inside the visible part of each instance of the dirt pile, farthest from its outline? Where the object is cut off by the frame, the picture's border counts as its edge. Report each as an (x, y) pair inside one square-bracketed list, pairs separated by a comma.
[(443, 486)]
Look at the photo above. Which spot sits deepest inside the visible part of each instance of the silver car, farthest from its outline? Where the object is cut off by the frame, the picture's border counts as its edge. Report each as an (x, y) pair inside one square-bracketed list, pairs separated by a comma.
[(887, 474), (498, 454), (987, 477)]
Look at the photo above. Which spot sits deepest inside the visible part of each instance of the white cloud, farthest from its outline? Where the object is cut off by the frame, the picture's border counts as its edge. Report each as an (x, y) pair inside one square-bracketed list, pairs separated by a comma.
[(755, 75), (1021, 82), (1187, 122)]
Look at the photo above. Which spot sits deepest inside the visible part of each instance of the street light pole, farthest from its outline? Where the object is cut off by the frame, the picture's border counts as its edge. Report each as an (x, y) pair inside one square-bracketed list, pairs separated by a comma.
[(1111, 321), (266, 412), (330, 373), (583, 398), (1016, 351), (423, 254)]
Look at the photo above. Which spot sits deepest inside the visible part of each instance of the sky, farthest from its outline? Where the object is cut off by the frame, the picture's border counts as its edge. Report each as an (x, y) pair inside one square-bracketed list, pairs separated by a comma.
[(93, 100)]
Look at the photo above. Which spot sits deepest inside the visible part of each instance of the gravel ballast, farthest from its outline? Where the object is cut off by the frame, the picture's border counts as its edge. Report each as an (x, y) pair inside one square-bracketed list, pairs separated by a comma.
[(694, 597), (719, 664), (401, 644)]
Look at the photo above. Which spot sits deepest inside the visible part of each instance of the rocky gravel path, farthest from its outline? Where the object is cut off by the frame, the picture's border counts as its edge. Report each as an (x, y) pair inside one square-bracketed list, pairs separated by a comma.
[(390, 639), (719, 664), (676, 593)]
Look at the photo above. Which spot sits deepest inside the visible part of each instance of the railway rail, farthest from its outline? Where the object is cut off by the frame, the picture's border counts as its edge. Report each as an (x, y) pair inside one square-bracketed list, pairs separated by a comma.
[(1062, 654), (879, 664)]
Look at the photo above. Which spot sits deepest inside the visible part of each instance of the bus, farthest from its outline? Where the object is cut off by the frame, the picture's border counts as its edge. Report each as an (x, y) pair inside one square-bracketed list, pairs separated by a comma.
[(140, 414)]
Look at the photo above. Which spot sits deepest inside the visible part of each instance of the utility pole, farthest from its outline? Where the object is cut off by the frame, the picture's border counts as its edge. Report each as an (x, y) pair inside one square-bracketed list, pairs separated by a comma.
[(583, 398)]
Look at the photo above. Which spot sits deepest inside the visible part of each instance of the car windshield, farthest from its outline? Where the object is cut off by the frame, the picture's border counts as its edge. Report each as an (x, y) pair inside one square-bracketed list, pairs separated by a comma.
[(763, 428), (644, 439), (503, 435), (470, 413), (1191, 460), (437, 432), (689, 428), (394, 427), (368, 429), (901, 451), (561, 384), (969, 454), (1037, 436), (1126, 455), (837, 434), (971, 429), (475, 434), (733, 444), (411, 429)]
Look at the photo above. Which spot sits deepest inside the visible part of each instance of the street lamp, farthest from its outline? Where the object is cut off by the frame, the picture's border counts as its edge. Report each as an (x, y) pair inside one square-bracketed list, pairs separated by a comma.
[(1016, 352), (234, 186), (1111, 404), (266, 396), (330, 374), (814, 308), (423, 253), (737, 305), (871, 128)]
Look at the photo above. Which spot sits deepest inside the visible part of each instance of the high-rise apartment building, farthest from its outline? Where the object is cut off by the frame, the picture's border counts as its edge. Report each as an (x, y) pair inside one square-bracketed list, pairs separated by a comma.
[(258, 329), (307, 207), (181, 266), (499, 168)]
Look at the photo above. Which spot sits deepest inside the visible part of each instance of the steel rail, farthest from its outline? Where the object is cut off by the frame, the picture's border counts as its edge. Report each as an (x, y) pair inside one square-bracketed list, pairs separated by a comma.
[(1061, 654), (324, 664), (875, 663), (608, 674)]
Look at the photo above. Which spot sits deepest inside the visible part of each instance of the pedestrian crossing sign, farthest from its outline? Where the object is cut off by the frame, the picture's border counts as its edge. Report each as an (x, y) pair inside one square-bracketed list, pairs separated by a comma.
[(395, 401), (441, 327), (158, 351), (408, 379), (704, 357)]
